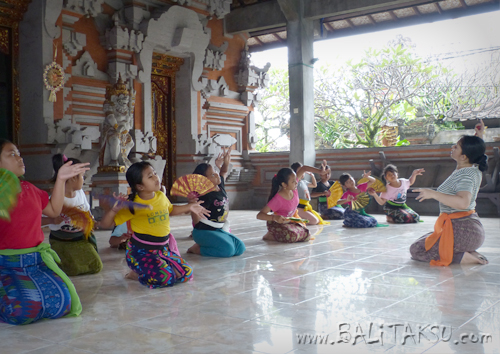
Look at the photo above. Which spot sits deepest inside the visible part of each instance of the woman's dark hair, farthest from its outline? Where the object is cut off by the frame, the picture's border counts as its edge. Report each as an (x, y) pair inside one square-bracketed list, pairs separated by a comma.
[(134, 177), (344, 178), (295, 166), (474, 148), (389, 168), (3, 142), (281, 177), (58, 160), (201, 169)]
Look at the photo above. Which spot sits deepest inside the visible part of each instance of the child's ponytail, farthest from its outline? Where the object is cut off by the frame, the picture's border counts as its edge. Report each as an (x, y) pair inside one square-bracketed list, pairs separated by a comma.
[(134, 177), (281, 177)]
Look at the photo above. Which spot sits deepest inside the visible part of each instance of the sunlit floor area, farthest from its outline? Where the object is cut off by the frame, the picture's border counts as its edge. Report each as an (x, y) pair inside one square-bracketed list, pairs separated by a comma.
[(285, 298)]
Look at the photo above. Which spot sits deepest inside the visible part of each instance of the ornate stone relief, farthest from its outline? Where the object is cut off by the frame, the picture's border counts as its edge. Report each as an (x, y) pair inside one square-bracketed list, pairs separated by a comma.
[(215, 57), (52, 12), (86, 66), (251, 78), (218, 8), (63, 131), (73, 42), (85, 7), (120, 37), (217, 88), (179, 32)]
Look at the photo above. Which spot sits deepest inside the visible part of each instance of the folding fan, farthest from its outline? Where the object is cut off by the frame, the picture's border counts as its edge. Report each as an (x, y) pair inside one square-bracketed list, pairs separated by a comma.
[(361, 201), (122, 203), (291, 218), (378, 185), (192, 186), (10, 187), (80, 219), (336, 192)]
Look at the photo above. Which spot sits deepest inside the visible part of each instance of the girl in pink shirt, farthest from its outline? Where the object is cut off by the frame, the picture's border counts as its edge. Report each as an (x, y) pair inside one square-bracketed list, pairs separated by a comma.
[(283, 201), (394, 199)]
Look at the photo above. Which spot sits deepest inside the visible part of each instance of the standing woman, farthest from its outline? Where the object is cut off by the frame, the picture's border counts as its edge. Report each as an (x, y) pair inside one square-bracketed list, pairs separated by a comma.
[(458, 232)]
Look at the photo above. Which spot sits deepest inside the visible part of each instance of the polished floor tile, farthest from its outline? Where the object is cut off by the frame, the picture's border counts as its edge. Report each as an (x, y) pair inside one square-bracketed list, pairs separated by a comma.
[(283, 298)]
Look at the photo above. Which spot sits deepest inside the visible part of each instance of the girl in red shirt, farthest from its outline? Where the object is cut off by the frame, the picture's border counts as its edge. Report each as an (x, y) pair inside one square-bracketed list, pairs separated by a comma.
[(32, 286)]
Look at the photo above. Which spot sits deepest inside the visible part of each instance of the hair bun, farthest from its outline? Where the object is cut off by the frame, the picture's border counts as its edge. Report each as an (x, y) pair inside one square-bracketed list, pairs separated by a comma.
[(482, 162)]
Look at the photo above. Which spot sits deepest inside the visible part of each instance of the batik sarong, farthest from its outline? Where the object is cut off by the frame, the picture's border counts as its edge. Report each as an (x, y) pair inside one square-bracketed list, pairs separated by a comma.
[(32, 287), (156, 265), (334, 213), (468, 235), (400, 213), (288, 233), (357, 219)]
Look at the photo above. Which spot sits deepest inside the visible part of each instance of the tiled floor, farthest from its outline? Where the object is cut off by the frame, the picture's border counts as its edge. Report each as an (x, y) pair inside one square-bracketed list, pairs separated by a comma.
[(270, 297)]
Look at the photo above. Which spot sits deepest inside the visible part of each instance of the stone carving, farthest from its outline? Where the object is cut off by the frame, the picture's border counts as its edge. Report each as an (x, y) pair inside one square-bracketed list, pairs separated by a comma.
[(52, 12), (215, 57), (85, 7), (120, 37), (177, 31), (218, 8), (219, 88), (250, 76), (73, 42), (116, 139), (86, 66), (64, 131)]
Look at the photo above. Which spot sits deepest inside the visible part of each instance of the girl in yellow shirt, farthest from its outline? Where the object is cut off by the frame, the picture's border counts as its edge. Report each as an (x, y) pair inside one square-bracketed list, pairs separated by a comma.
[(148, 253)]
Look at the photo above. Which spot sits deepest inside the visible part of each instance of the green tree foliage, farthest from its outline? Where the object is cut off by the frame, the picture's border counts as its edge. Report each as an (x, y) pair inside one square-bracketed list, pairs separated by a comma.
[(274, 108), (383, 87)]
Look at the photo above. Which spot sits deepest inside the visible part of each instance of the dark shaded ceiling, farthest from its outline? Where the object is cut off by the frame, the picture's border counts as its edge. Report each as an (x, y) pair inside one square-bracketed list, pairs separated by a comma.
[(355, 21)]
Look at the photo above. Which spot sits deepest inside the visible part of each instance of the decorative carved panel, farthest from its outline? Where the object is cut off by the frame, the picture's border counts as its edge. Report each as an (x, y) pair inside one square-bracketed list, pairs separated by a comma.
[(11, 13), (164, 68)]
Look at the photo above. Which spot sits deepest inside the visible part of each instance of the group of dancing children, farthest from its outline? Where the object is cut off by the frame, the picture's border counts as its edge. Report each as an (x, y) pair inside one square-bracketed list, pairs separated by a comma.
[(34, 286)]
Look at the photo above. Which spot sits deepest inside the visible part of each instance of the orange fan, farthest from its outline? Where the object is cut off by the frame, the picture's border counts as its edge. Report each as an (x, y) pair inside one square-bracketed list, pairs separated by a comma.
[(336, 192), (378, 185), (80, 219), (192, 186)]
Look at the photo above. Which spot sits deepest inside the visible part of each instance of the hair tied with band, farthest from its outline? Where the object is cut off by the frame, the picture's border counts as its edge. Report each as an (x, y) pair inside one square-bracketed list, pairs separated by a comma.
[(65, 159)]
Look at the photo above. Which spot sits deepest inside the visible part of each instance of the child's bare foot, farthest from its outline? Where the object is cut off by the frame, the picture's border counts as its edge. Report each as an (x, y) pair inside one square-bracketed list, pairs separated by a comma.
[(194, 249), (132, 275), (390, 220), (268, 237), (473, 258)]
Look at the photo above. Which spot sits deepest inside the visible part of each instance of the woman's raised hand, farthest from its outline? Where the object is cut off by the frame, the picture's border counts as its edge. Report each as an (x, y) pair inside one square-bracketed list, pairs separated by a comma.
[(479, 129)]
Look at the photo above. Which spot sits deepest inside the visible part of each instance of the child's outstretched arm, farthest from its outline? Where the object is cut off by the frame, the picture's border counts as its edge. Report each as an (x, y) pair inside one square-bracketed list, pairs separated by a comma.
[(313, 183), (379, 199), (264, 215), (415, 173), (370, 178), (194, 208), (68, 170), (226, 159), (321, 171)]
